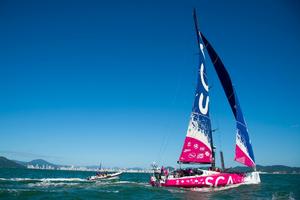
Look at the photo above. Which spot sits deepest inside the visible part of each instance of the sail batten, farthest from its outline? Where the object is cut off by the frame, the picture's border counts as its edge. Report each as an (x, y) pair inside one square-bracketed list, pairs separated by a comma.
[(243, 151)]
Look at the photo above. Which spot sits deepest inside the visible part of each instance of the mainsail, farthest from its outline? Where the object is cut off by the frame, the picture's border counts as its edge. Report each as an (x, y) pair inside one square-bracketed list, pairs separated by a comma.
[(197, 146), (243, 149)]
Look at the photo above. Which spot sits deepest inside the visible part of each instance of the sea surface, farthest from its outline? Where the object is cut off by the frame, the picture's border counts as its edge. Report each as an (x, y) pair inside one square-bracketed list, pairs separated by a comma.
[(54, 184)]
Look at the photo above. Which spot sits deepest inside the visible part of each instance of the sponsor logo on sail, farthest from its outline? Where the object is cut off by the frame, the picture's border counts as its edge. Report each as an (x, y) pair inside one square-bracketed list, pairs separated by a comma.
[(186, 150), (196, 146), (192, 155), (200, 155)]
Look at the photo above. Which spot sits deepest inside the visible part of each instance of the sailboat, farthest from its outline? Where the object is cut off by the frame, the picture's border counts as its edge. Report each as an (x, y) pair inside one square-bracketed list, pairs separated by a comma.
[(198, 145)]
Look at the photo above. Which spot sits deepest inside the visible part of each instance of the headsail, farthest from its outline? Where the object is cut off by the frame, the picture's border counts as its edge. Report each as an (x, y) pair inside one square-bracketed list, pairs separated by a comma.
[(197, 146), (243, 150)]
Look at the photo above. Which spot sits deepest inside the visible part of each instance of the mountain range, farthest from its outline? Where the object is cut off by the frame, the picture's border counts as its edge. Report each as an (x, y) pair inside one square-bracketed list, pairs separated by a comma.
[(6, 163), (37, 162)]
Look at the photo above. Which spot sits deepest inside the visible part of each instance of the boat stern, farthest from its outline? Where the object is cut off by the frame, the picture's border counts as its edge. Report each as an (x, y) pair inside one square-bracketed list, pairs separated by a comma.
[(156, 182), (152, 181)]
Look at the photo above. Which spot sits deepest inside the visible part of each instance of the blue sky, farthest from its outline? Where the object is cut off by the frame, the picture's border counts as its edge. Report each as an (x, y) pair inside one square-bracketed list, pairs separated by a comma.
[(113, 81)]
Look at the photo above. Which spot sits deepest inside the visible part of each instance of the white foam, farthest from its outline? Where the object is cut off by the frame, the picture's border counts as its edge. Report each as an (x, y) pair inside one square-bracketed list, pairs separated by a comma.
[(18, 179), (109, 191), (276, 196), (53, 184), (124, 182), (45, 179), (62, 179)]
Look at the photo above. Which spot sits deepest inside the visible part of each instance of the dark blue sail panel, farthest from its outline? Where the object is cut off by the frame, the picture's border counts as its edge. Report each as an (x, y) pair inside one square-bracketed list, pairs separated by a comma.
[(222, 74), (244, 152), (197, 145)]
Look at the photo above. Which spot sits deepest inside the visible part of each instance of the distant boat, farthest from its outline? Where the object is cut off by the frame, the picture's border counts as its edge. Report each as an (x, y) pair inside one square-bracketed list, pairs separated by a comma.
[(198, 146), (103, 175)]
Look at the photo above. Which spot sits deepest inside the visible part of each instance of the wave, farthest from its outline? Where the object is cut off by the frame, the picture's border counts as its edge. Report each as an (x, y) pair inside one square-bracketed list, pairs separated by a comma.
[(63, 183), (44, 179), (17, 179), (72, 180), (114, 182), (64, 179), (277, 195), (52, 184)]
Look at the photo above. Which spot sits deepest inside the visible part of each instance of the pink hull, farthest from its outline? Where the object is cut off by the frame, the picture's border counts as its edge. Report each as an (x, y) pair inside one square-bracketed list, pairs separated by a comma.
[(221, 179)]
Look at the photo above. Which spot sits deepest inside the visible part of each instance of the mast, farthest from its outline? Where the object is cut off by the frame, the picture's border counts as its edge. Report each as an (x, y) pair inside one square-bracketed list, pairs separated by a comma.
[(100, 166), (222, 160), (196, 28), (199, 39), (213, 163)]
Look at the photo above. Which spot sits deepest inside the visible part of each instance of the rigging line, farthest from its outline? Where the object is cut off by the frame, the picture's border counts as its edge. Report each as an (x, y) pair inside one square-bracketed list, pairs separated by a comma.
[(173, 103), (219, 136), (216, 118), (158, 157), (166, 136)]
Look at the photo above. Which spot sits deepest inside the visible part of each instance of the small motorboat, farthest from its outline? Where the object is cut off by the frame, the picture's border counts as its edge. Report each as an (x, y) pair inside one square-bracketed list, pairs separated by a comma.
[(104, 176)]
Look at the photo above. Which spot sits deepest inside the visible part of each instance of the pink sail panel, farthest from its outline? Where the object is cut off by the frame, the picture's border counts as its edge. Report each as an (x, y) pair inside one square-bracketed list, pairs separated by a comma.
[(241, 154), (196, 148), (195, 151)]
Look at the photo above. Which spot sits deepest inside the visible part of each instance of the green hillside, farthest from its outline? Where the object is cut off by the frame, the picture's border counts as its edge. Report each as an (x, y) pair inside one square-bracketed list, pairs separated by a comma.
[(5, 163)]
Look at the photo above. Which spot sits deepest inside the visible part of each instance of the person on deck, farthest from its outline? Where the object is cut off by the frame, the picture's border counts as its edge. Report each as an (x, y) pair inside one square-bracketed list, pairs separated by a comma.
[(166, 172)]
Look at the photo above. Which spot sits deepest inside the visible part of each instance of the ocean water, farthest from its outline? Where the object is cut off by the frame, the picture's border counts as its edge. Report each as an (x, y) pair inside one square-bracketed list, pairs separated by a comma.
[(52, 184)]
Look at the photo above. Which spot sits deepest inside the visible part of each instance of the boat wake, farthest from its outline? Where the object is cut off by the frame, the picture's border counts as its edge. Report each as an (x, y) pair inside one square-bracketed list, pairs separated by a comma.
[(52, 184), (68, 182), (44, 179)]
